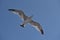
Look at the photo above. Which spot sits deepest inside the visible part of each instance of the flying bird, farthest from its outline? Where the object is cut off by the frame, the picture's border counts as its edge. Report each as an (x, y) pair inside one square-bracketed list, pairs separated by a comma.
[(27, 19)]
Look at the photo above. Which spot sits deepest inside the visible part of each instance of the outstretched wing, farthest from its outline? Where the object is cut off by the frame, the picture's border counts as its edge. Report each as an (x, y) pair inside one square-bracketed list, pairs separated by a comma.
[(37, 26), (19, 12)]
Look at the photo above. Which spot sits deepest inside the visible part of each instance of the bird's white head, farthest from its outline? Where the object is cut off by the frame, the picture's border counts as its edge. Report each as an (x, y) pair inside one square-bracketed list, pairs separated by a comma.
[(31, 16)]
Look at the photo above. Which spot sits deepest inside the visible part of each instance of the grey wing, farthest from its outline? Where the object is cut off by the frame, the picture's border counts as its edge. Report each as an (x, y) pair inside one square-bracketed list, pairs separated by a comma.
[(19, 12), (37, 26)]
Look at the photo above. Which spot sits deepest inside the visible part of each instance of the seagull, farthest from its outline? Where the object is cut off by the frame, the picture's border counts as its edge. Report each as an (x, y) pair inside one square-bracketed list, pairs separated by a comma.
[(27, 19)]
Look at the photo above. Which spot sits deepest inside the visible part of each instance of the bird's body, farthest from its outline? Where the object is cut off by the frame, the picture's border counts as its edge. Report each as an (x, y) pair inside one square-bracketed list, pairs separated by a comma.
[(27, 20)]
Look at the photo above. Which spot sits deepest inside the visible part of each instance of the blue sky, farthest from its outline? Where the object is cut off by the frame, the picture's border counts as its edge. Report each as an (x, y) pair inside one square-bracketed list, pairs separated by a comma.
[(46, 12)]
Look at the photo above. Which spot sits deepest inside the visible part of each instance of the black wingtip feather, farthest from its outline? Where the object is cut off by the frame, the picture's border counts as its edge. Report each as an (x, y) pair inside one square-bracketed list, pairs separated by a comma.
[(11, 10), (42, 32)]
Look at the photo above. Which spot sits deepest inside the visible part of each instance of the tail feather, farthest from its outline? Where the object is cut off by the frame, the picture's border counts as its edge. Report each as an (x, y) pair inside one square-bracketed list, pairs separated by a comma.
[(22, 25)]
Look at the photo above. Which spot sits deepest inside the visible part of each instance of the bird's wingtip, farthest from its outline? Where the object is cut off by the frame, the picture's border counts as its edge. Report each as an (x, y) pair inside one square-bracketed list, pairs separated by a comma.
[(11, 10), (42, 32)]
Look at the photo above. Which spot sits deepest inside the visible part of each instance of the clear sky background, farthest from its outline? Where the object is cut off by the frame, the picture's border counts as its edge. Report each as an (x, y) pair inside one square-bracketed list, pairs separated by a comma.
[(46, 12)]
